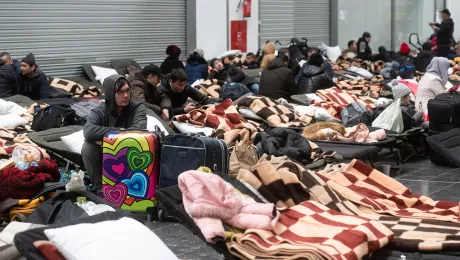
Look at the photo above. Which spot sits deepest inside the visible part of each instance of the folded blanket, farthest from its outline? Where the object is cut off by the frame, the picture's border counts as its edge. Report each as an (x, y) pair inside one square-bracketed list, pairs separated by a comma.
[(358, 134), (75, 89), (378, 193), (312, 231), (274, 113)]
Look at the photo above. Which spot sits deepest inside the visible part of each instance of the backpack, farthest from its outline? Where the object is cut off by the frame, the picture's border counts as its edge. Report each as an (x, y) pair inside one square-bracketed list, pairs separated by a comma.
[(407, 70), (233, 91), (55, 116), (355, 113)]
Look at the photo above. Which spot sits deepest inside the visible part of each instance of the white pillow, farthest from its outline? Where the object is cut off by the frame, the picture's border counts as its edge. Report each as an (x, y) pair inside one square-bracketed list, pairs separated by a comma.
[(229, 53), (333, 53), (8, 107), (362, 72), (135, 241), (152, 122), (74, 141), (11, 121), (321, 113), (103, 73), (186, 128)]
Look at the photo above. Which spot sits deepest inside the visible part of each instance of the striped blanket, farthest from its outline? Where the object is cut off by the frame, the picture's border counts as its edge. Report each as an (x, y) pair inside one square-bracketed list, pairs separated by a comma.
[(353, 88), (74, 88), (312, 231), (275, 113)]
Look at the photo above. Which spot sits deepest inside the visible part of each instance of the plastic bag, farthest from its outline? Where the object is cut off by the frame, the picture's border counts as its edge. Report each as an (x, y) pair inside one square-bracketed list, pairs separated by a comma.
[(24, 157), (76, 182), (391, 118)]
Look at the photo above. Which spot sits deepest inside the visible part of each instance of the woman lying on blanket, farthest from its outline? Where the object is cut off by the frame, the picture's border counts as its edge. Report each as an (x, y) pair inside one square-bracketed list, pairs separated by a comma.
[(116, 114)]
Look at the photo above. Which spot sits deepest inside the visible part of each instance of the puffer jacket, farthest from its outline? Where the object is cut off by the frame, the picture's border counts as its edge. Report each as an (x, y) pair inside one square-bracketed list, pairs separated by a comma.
[(36, 87), (277, 81), (284, 142), (196, 69), (210, 201), (149, 95), (428, 88), (8, 82), (311, 79)]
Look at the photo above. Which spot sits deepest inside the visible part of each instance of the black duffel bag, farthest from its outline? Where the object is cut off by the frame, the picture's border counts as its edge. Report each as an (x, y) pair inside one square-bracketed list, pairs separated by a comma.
[(55, 116)]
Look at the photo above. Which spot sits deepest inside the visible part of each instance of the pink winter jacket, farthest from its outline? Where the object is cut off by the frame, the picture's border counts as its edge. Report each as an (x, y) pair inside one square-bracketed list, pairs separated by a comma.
[(209, 201)]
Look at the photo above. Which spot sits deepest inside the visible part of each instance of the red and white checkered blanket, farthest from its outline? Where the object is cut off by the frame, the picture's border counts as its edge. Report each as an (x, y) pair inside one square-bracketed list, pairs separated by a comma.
[(312, 231)]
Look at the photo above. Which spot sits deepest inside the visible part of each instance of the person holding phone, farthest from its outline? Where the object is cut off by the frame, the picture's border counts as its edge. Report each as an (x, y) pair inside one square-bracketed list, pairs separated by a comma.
[(175, 86)]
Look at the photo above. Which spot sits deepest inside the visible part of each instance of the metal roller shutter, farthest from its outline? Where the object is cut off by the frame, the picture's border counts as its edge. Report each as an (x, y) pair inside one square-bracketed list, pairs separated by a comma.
[(276, 21), (312, 20), (64, 34)]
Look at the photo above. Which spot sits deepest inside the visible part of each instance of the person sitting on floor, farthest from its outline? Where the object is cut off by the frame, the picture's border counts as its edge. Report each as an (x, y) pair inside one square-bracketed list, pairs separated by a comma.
[(175, 86), (8, 81), (383, 55), (6, 58), (364, 50), (352, 50), (277, 80), (145, 90), (251, 61), (229, 72), (293, 64), (424, 58), (197, 67), (403, 57), (411, 117), (172, 61), (117, 113), (33, 83), (312, 77)]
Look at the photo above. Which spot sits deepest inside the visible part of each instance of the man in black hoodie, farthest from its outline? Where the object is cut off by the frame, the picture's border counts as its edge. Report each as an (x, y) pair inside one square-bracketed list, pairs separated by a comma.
[(445, 32), (32, 81), (277, 80), (178, 90), (364, 50), (117, 113)]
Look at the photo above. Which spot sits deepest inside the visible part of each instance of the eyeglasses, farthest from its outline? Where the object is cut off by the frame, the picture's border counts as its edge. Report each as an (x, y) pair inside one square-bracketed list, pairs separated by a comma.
[(123, 92)]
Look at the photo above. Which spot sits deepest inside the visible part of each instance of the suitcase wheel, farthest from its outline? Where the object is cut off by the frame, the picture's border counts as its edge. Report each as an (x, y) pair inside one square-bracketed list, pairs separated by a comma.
[(161, 215), (19, 217)]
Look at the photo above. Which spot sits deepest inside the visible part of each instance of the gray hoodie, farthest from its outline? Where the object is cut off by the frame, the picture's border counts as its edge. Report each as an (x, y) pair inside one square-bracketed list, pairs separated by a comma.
[(104, 118)]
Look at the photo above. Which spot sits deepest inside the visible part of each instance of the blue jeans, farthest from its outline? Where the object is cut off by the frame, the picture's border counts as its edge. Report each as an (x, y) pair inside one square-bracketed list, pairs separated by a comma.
[(255, 88)]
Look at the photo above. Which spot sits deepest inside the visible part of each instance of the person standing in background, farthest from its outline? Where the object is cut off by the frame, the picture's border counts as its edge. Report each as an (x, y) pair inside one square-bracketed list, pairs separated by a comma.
[(444, 32)]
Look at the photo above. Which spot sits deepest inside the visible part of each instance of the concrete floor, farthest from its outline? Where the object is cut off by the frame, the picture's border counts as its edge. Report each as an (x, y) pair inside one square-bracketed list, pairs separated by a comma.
[(421, 176)]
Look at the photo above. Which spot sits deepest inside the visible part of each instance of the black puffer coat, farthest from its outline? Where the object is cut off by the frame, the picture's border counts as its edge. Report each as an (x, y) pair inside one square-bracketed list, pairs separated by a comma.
[(8, 81), (284, 142), (311, 79)]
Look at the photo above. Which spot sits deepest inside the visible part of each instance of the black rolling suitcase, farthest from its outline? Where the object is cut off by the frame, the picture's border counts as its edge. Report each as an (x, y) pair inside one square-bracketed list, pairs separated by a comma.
[(444, 148), (444, 113), (183, 152)]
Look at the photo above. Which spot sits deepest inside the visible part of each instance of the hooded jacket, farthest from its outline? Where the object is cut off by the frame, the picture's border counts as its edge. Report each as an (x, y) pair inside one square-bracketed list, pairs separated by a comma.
[(178, 99), (277, 81), (312, 78), (424, 59), (171, 63), (149, 95), (196, 69), (383, 55), (104, 118), (36, 87), (8, 82), (364, 50)]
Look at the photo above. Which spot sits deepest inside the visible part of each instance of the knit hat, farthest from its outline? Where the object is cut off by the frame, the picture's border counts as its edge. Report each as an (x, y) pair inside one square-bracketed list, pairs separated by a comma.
[(200, 52), (29, 59), (400, 91), (173, 50), (366, 34), (404, 49), (211, 64)]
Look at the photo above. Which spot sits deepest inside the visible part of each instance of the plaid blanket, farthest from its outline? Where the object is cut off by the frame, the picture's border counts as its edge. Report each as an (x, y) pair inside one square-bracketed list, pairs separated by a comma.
[(343, 98), (353, 88), (312, 231), (276, 114), (377, 193), (224, 119), (74, 88), (209, 88)]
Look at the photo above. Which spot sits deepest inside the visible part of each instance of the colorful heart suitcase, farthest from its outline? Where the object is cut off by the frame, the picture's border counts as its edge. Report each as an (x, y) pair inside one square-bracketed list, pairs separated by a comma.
[(130, 170)]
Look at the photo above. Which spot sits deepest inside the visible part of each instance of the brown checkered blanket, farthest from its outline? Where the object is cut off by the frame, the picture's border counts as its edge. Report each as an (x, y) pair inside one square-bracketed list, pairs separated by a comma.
[(353, 88), (312, 231), (343, 98), (275, 113), (210, 88), (411, 234), (224, 119), (74, 88)]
